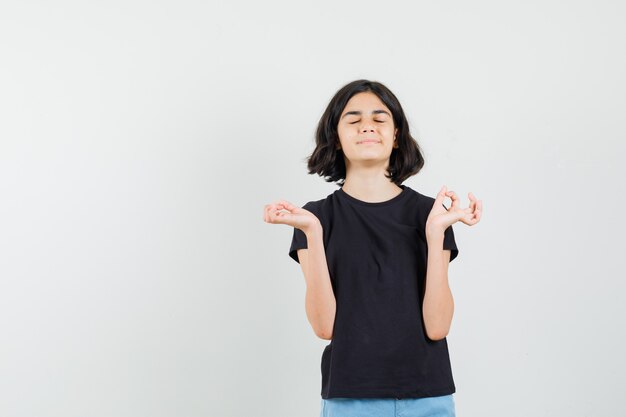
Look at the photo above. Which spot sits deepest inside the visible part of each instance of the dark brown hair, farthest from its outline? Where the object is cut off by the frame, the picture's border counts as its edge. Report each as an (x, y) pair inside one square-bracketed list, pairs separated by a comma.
[(327, 161)]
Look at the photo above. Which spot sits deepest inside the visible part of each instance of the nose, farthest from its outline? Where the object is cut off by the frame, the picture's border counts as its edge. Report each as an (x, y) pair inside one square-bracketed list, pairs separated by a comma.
[(368, 127)]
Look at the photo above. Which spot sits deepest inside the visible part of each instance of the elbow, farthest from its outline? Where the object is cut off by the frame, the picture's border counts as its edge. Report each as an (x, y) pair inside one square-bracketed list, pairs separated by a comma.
[(436, 328), (324, 334), (437, 334), (437, 337)]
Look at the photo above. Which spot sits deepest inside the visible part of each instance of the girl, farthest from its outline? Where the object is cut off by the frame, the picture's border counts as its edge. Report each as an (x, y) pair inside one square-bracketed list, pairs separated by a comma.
[(375, 255)]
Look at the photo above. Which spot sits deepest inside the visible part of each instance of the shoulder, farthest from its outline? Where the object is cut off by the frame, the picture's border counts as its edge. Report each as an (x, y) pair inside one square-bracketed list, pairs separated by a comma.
[(422, 205), (316, 207), (419, 199), (322, 208), (322, 203), (312, 205)]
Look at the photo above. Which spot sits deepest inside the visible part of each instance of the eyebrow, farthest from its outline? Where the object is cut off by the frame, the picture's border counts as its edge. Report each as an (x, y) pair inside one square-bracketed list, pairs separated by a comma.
[(358, 113)]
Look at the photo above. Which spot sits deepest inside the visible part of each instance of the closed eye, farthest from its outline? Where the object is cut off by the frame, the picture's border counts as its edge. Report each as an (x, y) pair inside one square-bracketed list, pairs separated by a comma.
[(379, 121)]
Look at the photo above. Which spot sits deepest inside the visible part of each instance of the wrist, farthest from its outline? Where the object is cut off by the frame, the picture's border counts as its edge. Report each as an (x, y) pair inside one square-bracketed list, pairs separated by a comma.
[(435, 235), (313, 229)]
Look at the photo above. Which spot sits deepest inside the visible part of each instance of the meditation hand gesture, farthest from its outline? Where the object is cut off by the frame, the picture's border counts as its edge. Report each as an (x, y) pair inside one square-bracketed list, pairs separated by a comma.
[(283, 212), (440, 218)]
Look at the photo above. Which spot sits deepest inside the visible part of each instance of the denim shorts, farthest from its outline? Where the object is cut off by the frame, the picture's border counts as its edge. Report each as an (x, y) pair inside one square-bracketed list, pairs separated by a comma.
[(442, 406)]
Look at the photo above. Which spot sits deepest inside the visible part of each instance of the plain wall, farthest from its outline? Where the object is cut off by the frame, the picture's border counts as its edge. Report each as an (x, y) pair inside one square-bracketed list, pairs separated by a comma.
[(140, 141)]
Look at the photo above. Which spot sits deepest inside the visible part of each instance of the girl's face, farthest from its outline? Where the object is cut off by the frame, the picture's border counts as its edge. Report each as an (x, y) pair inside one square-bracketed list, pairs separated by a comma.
[(366, 130)]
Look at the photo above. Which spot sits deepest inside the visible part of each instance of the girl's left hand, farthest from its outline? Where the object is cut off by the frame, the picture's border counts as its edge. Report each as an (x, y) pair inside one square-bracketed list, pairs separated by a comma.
[(440, 218)]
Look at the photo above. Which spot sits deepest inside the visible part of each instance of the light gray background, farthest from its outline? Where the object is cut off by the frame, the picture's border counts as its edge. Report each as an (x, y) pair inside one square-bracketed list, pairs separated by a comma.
[(141, 140)]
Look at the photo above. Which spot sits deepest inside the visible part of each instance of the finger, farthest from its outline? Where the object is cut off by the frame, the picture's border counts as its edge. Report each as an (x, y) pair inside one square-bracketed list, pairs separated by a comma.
[(478, 212), (440, 196), (268, 214), (474, 200), (455, 199), (475, 209), (468, 220), (472, 219), (272, 210), (279, 217), (266, 210), (286, 204), (277, 207)]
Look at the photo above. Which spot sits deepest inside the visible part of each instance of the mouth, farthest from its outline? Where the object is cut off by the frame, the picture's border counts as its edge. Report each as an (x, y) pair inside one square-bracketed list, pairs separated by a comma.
[(365, 141)]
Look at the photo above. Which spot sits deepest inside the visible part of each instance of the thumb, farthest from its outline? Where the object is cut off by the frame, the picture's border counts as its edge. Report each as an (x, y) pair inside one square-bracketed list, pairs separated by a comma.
[(441, 196)]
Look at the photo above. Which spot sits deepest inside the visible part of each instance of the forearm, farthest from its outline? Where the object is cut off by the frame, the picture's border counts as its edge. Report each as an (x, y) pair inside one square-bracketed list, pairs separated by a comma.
[(438, 306), (320, 300)]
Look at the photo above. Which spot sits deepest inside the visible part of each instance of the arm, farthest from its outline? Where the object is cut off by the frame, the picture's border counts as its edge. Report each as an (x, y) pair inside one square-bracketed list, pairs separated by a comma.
[(438, 306), (320, 301)]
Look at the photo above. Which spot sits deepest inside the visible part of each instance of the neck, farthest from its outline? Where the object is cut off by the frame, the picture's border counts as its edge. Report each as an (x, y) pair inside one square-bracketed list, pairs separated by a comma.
[(370, 184)]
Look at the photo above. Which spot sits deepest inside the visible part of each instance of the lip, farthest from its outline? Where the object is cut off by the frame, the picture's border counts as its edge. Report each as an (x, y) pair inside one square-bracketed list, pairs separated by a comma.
[(367, 141)]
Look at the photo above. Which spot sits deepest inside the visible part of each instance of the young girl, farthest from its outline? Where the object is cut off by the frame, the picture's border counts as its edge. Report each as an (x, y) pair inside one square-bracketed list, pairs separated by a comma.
[(375, 256)]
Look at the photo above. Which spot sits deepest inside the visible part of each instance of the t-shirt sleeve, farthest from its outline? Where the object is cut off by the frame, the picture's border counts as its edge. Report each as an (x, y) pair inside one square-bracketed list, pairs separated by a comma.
[(298, 239), (450, 243)]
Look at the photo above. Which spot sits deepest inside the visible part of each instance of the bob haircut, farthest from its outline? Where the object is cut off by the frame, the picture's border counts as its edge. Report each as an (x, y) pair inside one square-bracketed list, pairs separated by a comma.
[(327, 160)]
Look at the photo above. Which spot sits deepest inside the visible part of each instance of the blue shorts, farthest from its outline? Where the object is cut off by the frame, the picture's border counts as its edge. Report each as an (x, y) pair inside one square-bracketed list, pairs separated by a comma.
[(442, 406)]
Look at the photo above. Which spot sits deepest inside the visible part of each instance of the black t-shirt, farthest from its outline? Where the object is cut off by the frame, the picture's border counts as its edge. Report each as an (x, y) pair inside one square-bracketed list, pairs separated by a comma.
[(376, 255)]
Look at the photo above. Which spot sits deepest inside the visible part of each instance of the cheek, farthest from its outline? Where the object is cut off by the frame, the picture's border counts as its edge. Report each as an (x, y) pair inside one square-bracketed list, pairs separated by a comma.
[(344, 132), (387, 131)]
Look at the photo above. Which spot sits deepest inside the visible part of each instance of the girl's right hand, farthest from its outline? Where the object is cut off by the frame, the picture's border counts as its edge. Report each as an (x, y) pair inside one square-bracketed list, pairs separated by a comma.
[(283, 212)]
